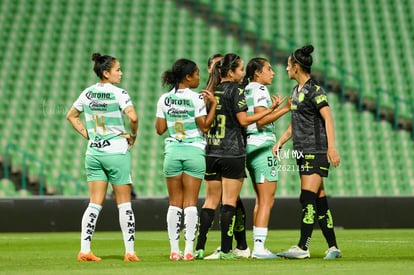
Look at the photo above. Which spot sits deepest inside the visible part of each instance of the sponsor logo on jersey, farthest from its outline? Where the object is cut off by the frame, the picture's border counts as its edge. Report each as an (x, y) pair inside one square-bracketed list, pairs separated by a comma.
[(174, 101), (177, 112), (97, 105), (321, 98), (98, 95), (261, 99), (241, 103)]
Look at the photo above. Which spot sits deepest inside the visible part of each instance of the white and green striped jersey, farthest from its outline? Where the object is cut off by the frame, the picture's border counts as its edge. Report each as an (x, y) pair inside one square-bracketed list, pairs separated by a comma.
[(103, 105), (180, 108), (257, 95)]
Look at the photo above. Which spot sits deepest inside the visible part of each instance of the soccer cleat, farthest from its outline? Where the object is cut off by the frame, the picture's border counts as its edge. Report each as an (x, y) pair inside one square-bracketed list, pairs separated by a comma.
[(215, 255), (199, 254), (227, 256), (295, 252), (264, 254), (242, 253), (131, 257), (188, 257), (332, 253), (175, 256), (88, 257)]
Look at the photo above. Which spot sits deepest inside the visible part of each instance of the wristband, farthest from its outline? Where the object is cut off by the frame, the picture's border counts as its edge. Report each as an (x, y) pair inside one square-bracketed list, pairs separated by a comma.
[(133, 135)]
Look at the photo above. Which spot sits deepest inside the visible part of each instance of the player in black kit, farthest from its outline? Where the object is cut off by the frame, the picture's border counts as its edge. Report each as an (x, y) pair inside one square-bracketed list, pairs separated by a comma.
[(225, 150), (313, 135)]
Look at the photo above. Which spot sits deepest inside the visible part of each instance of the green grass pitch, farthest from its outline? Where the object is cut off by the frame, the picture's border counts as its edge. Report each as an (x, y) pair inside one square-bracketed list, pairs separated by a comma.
[(380, 251)]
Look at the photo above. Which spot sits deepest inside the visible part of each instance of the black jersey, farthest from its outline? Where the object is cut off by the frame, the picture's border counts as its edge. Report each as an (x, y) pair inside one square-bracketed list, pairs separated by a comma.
[(226, 136), (308, 126)]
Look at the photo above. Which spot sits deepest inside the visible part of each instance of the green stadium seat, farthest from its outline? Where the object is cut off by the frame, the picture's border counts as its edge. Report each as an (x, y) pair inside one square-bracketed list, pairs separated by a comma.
[(7, 188), (149, 35), (23, 193)]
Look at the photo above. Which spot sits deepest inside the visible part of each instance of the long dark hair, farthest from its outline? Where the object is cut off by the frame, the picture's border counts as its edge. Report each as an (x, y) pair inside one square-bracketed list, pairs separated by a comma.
[(221, 69)]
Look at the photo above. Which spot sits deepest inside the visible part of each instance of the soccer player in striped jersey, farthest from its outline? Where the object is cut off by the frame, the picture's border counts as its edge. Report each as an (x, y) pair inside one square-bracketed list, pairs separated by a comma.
[(108, 158), (261, 163), (182, 113)]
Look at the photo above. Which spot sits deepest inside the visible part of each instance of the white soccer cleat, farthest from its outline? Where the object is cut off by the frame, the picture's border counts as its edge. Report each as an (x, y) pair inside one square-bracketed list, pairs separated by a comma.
[(332, 253), (264, 254), (295, 252), (242, 253), (215, 255)]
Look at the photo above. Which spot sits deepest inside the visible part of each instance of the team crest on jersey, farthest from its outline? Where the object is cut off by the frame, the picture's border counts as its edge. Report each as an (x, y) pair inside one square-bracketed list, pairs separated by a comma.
[(301, 97)]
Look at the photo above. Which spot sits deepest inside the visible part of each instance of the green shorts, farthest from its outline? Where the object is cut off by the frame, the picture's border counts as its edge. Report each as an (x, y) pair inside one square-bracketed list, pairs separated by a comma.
[(115, 169), (183, 158), (261, 163)]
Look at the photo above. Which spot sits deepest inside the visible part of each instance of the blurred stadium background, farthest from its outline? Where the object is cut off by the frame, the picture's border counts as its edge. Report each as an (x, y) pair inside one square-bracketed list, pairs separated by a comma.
[(364, 58)]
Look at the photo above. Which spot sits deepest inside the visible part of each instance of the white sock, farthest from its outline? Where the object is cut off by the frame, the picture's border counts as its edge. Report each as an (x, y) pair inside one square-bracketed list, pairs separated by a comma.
[(127, 223), (190, 225), (259, 238), (174, 218), (90, 216)]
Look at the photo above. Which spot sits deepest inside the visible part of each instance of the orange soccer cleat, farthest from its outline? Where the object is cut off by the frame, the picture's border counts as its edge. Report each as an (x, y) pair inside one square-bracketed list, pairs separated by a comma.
[(88, 257), (131, 257)]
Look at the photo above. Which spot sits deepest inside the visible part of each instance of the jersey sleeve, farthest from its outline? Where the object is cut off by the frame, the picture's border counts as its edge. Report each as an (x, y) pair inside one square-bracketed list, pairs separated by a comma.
[(160, 104), (78, 104), (124, 100), (319, 98), (240, 104), (199, 106), (261, 97)]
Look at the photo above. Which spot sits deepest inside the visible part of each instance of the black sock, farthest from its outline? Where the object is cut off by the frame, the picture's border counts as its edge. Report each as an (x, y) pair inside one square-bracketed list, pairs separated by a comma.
[(227, 224), (307, 200), (240, 226), (325, 221), (205, 223)]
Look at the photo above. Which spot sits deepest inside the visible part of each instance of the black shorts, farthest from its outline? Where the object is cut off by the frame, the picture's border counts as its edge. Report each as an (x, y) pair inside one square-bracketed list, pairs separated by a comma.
[(309, 164), (230, 168)]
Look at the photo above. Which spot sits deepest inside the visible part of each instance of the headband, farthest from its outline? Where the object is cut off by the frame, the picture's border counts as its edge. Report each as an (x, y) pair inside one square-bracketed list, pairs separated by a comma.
[(300, 63)]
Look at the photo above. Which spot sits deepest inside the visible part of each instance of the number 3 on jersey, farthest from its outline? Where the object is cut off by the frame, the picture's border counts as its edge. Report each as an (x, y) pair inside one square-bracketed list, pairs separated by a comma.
[(220, 124)]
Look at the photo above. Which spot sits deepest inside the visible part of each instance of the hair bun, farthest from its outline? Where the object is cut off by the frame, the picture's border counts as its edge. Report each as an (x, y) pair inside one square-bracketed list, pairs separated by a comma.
[(307, 50), (96, 56)]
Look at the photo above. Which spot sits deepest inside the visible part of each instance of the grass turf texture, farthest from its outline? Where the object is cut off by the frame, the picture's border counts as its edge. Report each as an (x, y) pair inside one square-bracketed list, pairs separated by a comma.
[(364, 252)]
